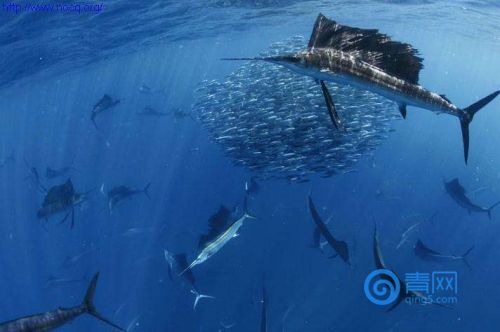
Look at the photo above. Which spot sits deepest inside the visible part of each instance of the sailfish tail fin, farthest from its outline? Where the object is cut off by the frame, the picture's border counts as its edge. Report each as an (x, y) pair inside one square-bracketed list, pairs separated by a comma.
[(88, 303), (199, 296), (491, 208), (466, 120)]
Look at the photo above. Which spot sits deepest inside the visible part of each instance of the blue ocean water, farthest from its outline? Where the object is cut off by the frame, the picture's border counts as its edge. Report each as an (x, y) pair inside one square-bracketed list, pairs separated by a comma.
[(55, 66)]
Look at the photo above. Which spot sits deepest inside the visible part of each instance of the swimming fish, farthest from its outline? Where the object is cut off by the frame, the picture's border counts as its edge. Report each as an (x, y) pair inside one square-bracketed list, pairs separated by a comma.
[(404, 236), (217, 238), (381, 265), (269, 120), (120, 193), (133, 323), (170, 259), (178, 264), (137, 231), (425, 253), (61, 198), (71, 260), (56, 281), (369, 60), (105, 103), (340, 247), (51, 320), (459, 195)]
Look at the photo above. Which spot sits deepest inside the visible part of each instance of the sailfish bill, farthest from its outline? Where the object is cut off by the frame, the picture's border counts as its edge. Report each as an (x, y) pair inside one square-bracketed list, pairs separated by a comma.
[(372, 61)]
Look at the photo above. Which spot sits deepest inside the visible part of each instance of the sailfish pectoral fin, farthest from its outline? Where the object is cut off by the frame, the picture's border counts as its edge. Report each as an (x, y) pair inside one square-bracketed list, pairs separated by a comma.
[(464, 124), (332, 111), (402, 110)]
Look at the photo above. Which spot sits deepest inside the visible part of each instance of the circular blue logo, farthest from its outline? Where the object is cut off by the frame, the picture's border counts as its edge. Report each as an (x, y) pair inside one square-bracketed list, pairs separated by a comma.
[(385, 289)]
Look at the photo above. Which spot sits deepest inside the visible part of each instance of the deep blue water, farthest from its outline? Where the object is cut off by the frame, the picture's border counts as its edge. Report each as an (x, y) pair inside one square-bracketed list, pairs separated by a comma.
[(55, 66)]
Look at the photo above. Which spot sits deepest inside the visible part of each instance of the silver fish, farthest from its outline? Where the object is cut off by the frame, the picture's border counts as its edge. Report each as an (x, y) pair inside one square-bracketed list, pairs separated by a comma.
[(51, 320), (213, 247), (369, 60)]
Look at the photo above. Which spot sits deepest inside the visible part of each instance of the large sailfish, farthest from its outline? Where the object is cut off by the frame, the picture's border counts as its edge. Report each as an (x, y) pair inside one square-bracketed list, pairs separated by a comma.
[(369, 60), (51, 320)]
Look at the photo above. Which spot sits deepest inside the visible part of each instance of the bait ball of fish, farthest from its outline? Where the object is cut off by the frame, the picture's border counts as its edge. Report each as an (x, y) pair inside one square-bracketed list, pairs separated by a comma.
[(276, 123)]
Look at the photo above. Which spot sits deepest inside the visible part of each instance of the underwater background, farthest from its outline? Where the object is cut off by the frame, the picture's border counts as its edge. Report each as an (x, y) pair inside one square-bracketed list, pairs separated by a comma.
[(54, 67)]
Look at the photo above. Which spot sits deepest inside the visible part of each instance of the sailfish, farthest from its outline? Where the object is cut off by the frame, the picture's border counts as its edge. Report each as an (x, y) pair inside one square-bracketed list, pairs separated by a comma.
[(178, 263), (219, 235), (61, 198), (404, 292), (51, 320), (321, 230), (369, 60)]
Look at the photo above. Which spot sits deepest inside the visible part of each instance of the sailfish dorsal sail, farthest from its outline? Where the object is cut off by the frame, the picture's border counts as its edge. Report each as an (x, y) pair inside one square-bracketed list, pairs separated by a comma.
[(217, 224), (396, 58), (63, 192)]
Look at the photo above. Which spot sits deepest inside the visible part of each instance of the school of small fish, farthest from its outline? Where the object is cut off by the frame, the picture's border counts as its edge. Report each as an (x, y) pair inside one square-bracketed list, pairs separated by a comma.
[(275, 123)]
